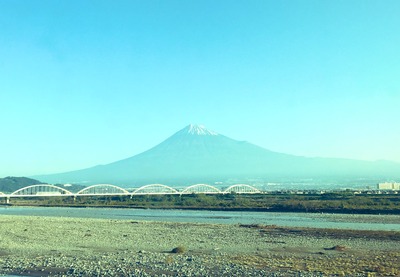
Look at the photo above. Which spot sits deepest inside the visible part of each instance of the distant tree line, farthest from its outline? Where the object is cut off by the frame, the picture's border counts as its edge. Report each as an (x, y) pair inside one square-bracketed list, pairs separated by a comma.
[(335, 202)]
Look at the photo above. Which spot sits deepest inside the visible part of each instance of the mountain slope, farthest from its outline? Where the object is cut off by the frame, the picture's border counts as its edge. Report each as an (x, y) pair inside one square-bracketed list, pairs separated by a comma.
[(195, 154)]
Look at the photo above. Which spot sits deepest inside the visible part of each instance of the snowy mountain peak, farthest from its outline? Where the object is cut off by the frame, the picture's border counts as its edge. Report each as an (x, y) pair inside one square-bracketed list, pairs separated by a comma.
[(194, 129)]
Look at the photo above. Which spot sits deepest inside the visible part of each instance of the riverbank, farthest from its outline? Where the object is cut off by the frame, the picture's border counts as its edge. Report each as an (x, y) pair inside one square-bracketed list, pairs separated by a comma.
[(213, 208), (346, 202), (37, 246)]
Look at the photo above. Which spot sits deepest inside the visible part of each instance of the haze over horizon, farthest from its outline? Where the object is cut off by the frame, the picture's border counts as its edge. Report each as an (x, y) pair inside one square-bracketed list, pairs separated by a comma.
[(93, 82)]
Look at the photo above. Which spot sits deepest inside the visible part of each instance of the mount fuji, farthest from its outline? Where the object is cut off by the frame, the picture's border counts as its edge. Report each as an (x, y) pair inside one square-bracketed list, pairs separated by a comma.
[(198, 155)]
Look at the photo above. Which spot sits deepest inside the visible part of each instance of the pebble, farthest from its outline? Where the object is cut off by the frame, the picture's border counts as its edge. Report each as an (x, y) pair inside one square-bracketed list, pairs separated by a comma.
[(120, 248)]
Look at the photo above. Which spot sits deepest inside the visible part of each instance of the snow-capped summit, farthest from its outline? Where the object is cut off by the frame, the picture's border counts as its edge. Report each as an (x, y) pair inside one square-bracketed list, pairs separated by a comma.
[(195, 129)]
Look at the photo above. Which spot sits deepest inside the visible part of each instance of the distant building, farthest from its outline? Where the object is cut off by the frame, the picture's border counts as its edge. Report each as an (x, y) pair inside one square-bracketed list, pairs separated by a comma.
[(389, 185)]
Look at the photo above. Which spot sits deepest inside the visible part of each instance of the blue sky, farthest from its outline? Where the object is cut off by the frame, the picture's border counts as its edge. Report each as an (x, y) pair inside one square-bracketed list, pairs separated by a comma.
[(91, 82)]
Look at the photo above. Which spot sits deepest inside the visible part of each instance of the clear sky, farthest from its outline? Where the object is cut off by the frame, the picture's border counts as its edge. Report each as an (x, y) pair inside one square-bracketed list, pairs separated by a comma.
[(84, 83)]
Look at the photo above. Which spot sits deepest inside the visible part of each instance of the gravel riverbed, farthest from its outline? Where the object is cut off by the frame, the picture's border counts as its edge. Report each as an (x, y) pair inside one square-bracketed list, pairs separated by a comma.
[(50, 246)]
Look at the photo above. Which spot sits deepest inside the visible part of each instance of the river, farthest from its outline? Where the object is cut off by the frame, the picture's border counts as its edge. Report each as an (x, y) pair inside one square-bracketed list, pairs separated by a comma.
[(337, 221)]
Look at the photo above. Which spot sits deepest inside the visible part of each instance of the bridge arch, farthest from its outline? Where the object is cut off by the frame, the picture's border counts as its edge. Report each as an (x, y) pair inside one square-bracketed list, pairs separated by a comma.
[(40, 190), (242, 188), (105, 189), (2, 193), (155, 189), (200, 188)]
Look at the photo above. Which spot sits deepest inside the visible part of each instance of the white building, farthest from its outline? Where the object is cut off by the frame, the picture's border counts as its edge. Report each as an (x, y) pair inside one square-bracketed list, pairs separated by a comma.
[(389, 185)]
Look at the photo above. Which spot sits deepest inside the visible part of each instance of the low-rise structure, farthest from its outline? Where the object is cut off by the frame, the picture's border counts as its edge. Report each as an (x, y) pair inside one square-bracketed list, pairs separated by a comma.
[(389, 186)]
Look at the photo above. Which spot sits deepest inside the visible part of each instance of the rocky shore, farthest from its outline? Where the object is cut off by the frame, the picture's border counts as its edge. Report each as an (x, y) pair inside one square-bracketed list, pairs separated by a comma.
[(46, 246)]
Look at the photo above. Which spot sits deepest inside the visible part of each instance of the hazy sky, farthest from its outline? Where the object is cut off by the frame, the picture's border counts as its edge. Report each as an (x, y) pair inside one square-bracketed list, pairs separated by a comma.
[(91, 82)]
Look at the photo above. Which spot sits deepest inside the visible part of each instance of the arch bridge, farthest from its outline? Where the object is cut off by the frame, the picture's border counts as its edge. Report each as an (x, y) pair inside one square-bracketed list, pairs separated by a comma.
[(155, 189), (40, 190), (47, 190), (242, 188), (201, 188), (102, 189)]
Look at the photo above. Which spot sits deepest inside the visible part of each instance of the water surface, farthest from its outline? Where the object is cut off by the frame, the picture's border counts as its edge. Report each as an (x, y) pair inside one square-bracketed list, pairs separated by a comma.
[(337, 221)]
